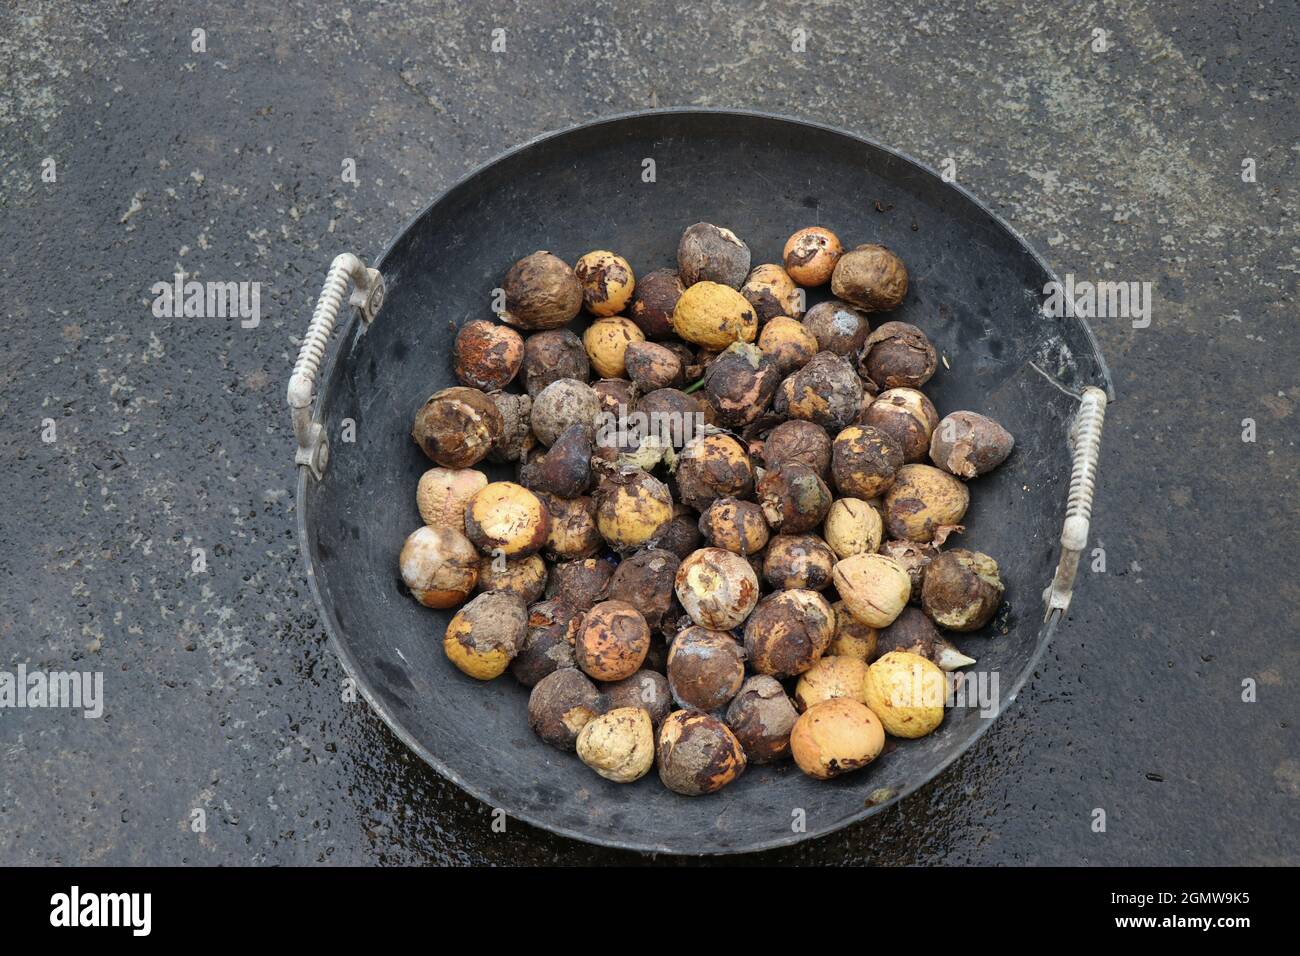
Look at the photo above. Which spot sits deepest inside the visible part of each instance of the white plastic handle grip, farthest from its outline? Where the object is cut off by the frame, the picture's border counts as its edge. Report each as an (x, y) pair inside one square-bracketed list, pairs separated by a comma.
[(1085, 437), (368, 297)]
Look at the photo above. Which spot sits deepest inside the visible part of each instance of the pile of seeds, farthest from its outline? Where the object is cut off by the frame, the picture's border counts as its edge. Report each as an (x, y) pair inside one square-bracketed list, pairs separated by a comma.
[(724, 543)]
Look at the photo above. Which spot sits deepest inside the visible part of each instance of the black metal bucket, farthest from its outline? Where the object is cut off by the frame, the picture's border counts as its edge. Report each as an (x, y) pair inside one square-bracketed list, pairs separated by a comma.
[(976, 289)]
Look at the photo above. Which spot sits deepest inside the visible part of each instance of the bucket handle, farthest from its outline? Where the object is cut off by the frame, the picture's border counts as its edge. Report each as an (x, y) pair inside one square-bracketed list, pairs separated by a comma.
[(368, 297), (1085, 440)]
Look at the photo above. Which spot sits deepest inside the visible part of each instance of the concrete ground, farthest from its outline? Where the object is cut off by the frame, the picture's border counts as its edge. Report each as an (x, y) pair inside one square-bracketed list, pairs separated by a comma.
[(1124, 163)]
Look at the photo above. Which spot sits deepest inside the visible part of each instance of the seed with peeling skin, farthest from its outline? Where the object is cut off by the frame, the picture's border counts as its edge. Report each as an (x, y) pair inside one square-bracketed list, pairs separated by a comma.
[(735, 525), (563, 403), (580, 583), (968, 444), (762, 716), (507, 519), (771, 291), (788, 632), (632, 507), (788, 343), (486, 356), (907, 416), (552, 632), (864, 461), (897, 355), (439, 565), (705, 668), (870, 277), (799, 442), (915, 633), (562, 704), (645, 581), (826, 391), (606, 342), (654, 300), (835, 737), (924, 504), (712, 467), (739, 384), (541, 292), (619, 745), (653, 366), (573, 533), (716, 588), (962, 590), (457, 427), (873, 587), (443, 494), (907, 692), (794, 498), (613, 641), (517, 438), (551, 356), (852, 527), (485, 635), (698, 754), (838, 327), (798, 561), (810, 255), (646, 689), (709, 253), (524, 577), (829, 678), (607, 282)]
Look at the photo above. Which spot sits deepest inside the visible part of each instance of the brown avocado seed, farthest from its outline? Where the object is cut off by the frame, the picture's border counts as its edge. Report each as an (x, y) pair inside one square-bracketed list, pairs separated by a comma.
[(654, 300), (962, 590), (646, 689), (967, 444), (697, 753), (915, 633), (607, 282), (580, 583), (897, 355), (870, 277), (523, 577), (762, 716), (716, 588), (772, 292), (653, 366), (735, 525), (788, 344), (645, 581), (924, 503), (907, 416), (829, 678), (484, 635), (810, 255), (835, 737), (606, 342), (788, 632), (552, 632), (682, 534), (705, 668), (671, 416), (541, 292), (798, 442), (632, 508), (615, 394), (516, 433), (443, 494), (873, 587), (551, 356), (798, 561), (794, 498), (837, 326), (561, 704), (864, 461), (507, 519), (457, 427), (613, 641), (826, 391), (739, 384), (485, 355), (563, 470), (573, 533), (439, 566), (564, 402), (708, 253), (711, 467)]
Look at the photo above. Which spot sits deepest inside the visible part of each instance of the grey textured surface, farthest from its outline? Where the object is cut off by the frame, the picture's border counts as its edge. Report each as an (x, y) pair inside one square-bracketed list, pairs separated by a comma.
[(172, 433)]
